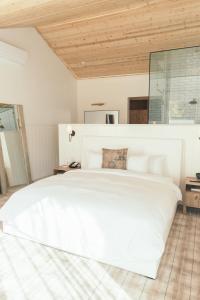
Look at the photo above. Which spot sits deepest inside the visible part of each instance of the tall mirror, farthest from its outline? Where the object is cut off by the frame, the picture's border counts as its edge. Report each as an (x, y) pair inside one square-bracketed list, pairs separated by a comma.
[(14, 160)]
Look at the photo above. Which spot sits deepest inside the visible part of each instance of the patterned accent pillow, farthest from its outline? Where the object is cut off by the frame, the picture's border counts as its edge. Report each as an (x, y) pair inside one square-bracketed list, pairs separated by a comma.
[(114, 159)]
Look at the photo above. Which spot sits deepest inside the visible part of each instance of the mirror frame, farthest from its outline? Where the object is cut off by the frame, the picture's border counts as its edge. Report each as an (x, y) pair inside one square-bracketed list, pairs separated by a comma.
[(23, 137)]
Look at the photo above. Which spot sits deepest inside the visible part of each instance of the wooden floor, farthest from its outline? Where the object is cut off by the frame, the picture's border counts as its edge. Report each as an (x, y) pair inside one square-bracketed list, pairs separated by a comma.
[(32, 271)]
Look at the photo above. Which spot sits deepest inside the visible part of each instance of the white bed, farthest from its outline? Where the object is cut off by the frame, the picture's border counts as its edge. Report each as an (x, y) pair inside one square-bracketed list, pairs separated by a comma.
[(113, 216)]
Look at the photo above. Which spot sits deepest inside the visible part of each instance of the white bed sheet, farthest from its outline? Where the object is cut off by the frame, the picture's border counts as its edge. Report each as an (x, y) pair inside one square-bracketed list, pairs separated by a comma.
[(113, 216)]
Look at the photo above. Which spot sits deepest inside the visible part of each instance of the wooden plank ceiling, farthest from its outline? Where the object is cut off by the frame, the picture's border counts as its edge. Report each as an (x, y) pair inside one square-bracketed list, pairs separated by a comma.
[(97, 38)]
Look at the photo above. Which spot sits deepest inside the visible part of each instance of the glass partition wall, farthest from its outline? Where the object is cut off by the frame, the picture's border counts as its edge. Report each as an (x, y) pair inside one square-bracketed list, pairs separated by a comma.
[(174, 96)]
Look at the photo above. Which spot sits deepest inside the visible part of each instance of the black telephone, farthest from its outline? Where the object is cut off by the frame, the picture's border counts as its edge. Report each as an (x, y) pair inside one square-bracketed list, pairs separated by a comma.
[(75, 165)]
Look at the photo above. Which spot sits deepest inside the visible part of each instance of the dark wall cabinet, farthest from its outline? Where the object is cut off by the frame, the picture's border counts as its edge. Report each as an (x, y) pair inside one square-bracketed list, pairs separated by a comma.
[(138, 110)]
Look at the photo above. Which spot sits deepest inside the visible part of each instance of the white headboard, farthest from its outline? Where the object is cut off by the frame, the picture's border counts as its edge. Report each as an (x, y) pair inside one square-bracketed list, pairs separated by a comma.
[(170, 148)]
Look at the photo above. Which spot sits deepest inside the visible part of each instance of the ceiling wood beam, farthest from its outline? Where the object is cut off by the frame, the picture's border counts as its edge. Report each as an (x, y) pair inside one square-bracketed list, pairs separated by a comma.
[(43, 12), (107, 37)]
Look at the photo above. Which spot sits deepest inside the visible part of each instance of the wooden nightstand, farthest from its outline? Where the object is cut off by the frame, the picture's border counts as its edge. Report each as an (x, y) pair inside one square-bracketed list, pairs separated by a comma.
[(191, 197), (62, 169)]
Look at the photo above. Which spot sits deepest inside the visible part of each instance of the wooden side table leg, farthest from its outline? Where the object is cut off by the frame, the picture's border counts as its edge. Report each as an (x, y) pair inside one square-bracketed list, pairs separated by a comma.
[(184, 209)]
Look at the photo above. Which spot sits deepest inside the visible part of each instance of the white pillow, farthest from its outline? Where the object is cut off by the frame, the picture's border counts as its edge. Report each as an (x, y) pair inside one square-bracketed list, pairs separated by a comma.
[(138, 163), (156, 164), (153, 164), (94, 160)]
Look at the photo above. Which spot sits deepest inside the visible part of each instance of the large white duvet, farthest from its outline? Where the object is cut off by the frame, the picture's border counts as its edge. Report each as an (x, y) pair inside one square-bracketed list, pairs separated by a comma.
[(116, 217)]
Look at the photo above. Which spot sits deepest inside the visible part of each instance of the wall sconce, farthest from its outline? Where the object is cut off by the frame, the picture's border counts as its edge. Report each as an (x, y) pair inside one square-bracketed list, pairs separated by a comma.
[(71, 133)]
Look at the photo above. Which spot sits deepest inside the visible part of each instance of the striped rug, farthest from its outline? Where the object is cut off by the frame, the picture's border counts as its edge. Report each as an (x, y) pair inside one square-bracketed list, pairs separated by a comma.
[(35, 272)]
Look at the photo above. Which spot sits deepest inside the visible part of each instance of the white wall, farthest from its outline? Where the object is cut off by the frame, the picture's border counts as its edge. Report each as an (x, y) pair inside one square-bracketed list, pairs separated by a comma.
[(189, 134), (114, 91), (47, 91)]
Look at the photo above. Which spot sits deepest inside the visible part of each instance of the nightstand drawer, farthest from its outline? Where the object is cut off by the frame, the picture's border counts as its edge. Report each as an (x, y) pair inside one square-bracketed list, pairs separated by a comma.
[(192, 199)]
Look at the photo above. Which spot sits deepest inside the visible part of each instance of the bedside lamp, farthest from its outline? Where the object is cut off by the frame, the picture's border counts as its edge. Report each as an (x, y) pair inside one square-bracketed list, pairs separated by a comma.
[(71, 132)]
